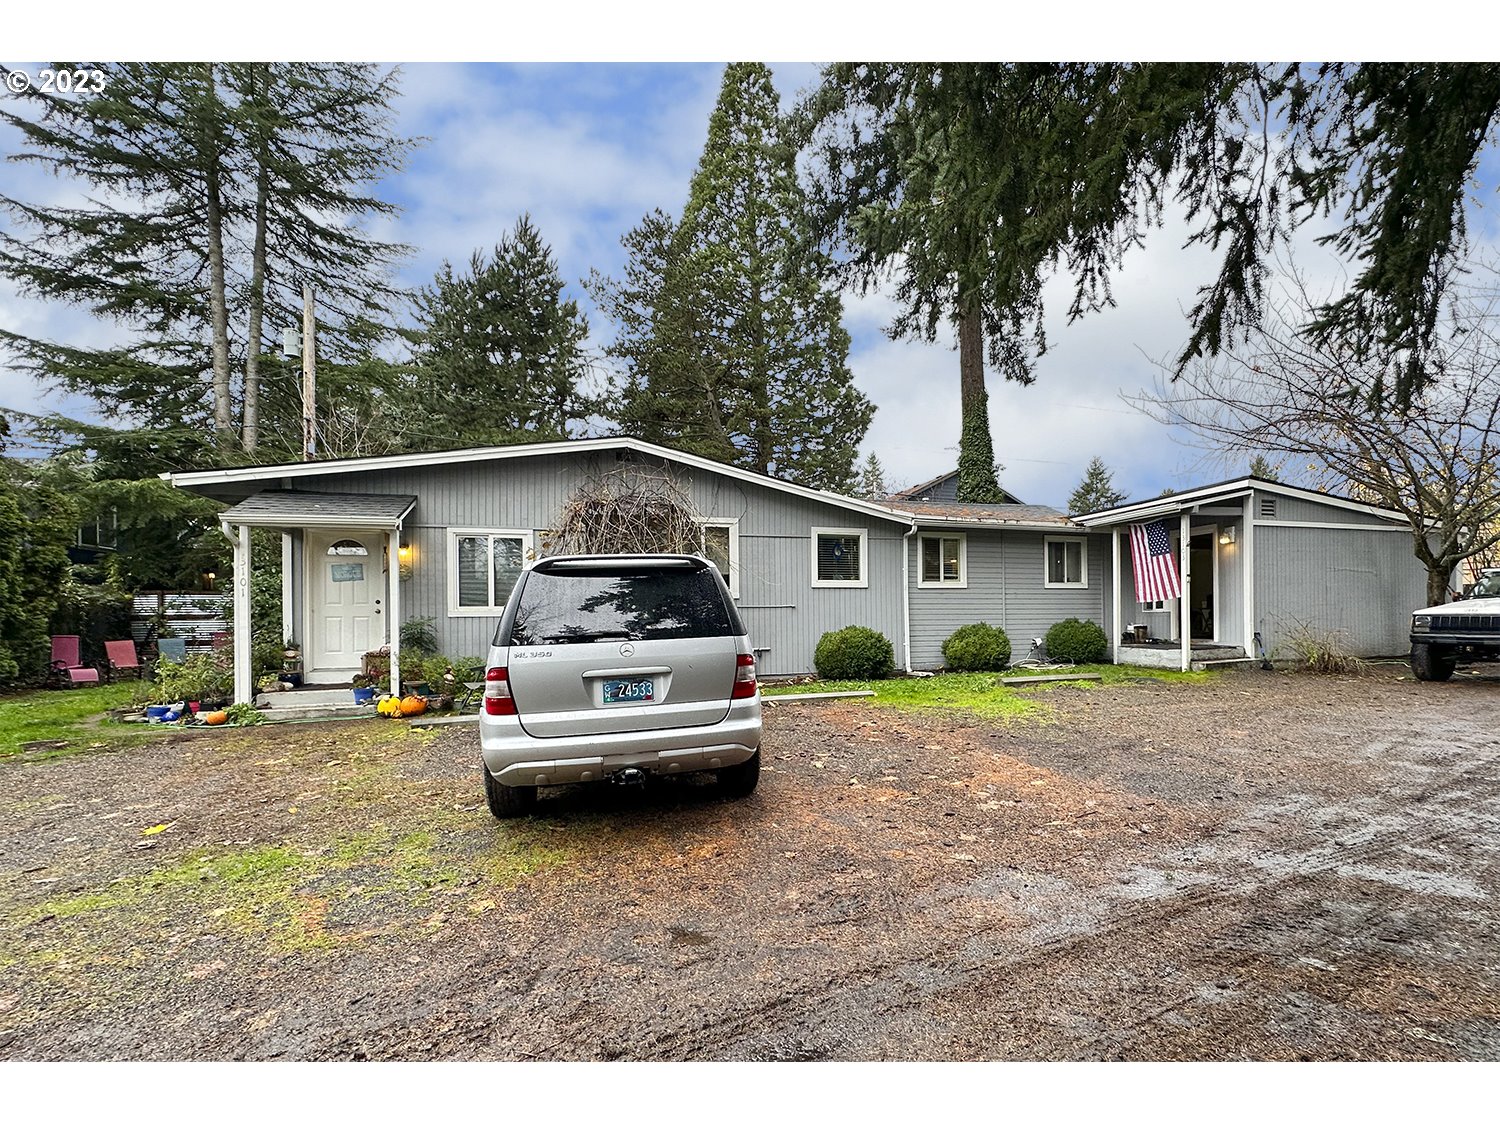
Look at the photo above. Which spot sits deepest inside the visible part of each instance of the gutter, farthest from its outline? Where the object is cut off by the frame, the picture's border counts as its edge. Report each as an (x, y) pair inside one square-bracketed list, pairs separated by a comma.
[(906, 595)]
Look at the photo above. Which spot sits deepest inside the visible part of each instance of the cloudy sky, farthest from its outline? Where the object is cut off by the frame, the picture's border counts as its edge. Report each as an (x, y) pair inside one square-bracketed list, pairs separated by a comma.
[(588, 148)]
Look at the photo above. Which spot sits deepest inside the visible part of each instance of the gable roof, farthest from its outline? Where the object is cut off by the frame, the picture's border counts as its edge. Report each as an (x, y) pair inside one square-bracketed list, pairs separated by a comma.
[(273, 507), (240, 482), (984, 515), (937, 490), (1175, 502)]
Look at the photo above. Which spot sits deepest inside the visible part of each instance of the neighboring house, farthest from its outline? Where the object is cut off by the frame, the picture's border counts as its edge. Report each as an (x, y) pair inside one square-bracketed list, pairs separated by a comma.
[(461, 525), (943, 488)]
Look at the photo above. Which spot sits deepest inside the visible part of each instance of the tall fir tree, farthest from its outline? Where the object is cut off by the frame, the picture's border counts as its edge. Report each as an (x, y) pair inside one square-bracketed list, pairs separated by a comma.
[(872, 484), (1262, 468), (499, 350), (212, 192), (734, 348), (1096, 491)]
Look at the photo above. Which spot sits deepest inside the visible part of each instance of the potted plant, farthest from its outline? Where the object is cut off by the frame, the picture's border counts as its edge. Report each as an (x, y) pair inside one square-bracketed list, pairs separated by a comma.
[(364, 687)]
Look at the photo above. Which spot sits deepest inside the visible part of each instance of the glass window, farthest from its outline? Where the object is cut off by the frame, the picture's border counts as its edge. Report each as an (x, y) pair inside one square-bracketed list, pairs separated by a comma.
[(838, 557), (1066, 563), (581, 605), (348, 547), (485, 566), (942, 560)]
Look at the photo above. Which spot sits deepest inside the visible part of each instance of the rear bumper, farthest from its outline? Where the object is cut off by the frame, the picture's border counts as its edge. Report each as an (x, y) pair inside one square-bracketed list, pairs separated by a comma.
[(515, 758)]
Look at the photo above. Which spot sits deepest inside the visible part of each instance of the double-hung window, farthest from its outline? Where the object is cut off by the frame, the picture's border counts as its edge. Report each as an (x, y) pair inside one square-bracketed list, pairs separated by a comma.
[(838, 557), (721, 546), (943, 562), (483, 566), (1066, 563)]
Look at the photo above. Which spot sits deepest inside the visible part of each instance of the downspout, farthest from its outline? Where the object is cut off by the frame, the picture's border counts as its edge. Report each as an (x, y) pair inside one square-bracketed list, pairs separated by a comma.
[(906, 594)]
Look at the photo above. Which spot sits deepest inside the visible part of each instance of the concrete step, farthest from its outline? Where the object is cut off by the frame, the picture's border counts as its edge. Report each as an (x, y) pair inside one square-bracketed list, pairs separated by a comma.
[(303, 698)]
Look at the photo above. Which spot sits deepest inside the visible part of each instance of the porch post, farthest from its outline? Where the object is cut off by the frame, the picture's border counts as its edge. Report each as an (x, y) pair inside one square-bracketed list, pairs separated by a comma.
[(244, 686), (393, 604), (1247, 573), (1185, 603), (288, 631), (1114, 544)]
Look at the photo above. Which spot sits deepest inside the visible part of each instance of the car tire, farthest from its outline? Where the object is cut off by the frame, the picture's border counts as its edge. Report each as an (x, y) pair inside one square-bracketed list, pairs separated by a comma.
[(740, 781), (507, 801), (1430, 662)]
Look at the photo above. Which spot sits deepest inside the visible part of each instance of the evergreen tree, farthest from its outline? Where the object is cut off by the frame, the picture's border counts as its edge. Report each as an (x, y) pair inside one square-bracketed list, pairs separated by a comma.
[(215, 191), (1262, 468), (499, 351), (37, 524), (1096, 491), (872, 484), (734, 348)]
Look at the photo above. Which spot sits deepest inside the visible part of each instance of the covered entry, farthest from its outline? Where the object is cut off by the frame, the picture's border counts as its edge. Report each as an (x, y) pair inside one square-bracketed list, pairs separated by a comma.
[(341, 589)]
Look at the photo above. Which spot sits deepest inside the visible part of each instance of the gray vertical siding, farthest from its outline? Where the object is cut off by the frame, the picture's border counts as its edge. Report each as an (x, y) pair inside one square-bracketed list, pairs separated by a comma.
[(785, 614), (1363, 584), (1005, 588)]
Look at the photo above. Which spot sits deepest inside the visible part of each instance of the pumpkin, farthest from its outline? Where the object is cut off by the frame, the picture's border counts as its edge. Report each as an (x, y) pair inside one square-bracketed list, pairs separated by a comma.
[(389, 706), (215, 718), (413, 705)]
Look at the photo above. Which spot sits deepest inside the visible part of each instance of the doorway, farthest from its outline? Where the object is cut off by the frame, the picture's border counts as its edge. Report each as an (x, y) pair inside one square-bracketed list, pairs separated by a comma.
[(346, 575), (1202, 585)]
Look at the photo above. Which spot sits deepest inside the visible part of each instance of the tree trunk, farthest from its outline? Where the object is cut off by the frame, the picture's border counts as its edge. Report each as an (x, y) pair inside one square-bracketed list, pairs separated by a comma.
[(217, 301), (1437, 583), (250, 431), (976, 453)]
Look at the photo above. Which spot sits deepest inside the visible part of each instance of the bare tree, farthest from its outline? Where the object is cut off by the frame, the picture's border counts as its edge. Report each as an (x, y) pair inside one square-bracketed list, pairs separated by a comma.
[(1322, 410)]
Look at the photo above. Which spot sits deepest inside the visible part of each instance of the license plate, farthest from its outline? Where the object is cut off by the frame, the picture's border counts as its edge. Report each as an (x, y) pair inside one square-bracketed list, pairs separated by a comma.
[(634, 690)]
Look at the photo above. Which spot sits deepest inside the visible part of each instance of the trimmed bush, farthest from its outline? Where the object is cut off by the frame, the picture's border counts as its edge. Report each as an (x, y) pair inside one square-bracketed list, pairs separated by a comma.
[(854, 653), (980, 647), (1077, 642)]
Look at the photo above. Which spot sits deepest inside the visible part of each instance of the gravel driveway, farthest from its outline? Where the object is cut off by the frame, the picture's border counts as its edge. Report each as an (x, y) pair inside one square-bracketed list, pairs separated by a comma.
[(1261, 866)]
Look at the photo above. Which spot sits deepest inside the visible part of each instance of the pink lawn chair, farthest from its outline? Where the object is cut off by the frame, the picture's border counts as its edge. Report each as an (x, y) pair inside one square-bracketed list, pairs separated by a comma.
[(122, 658), (66, 661)]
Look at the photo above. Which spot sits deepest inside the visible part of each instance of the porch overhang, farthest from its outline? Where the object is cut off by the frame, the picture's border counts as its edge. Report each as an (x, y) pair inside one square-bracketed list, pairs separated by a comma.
[(274, 507)]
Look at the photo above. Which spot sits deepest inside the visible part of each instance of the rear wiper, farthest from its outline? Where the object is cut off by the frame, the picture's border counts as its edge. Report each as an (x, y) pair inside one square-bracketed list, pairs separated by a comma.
[(597, 635)]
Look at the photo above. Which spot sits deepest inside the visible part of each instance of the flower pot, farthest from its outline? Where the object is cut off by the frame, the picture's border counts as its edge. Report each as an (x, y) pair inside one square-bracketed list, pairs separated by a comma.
[(291, 679), (364, 694)]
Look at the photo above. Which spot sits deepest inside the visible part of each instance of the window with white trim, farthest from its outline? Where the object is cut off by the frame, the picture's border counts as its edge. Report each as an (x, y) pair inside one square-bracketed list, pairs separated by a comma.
[(1065, 563), (721, 546), (942, 561), (838, 557), (1158, 606), (483, 566)]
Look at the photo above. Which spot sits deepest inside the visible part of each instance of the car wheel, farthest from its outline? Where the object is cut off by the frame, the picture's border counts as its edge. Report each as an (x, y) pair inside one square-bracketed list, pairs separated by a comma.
[(507, 801), (1432, 663), (740, 781)]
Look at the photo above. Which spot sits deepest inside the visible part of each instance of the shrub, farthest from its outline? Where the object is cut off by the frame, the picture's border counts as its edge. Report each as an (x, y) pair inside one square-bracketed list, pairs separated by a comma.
[(979, 647), (854, 653), (1323, 652), (418, 638), (1077, 642)]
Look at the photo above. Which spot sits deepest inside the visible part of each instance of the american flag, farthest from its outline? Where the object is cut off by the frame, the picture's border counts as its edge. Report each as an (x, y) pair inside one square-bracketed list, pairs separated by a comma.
[(1156, 574)]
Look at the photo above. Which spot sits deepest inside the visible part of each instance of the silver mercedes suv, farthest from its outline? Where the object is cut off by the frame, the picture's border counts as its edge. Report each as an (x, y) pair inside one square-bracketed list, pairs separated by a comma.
[(618, 666)]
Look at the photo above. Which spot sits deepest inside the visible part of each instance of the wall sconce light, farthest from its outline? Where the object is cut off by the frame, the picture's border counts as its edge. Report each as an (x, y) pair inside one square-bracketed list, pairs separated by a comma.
[(1226, 536), (403, 560), (208, 579)]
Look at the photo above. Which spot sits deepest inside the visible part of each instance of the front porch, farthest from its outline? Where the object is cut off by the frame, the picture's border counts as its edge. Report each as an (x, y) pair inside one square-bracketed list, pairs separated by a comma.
[(1202, 655)]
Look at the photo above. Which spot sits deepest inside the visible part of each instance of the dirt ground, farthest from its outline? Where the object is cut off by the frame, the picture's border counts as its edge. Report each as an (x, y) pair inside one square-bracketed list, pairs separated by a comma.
[(1262, 866)]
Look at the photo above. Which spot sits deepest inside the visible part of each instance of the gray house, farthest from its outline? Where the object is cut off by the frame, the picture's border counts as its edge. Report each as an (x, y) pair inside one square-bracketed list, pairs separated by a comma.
[(371, 542)]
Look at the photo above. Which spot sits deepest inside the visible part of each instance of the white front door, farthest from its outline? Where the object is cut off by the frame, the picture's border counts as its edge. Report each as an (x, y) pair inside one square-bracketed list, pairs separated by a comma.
[(346, 596)]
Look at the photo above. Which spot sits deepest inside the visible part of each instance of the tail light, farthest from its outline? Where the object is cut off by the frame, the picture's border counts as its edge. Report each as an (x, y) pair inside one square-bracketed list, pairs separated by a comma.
[(497, 697), (744, 677)]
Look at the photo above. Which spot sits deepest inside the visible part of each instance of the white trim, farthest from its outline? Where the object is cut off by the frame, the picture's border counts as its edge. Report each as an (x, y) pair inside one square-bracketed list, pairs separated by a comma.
[(906, 595), (1331, 526), (315, 544), (732, 579), (1115, 570), (508, 452), (962, 581), (450, 563), (1185, 586), (287, 625), (1165, 505), (1247, 576), (393, 604), (1083, 562), (863, 581)]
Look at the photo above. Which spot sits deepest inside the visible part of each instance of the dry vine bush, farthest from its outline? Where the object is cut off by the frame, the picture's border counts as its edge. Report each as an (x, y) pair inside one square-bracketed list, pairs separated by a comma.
[(627, 511), (1323, 651)]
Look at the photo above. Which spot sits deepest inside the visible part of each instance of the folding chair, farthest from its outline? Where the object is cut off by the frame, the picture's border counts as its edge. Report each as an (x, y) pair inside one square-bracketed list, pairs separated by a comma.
[(171, 649), (122, 657), (67, 662)]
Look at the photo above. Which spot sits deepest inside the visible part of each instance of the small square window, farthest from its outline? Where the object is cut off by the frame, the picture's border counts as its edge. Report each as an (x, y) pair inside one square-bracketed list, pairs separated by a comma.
[(943, 561), (1066, 563), (839, 556)]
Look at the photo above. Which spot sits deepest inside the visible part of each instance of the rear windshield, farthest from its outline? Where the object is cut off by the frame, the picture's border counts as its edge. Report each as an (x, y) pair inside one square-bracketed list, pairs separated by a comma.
[(572, 607)]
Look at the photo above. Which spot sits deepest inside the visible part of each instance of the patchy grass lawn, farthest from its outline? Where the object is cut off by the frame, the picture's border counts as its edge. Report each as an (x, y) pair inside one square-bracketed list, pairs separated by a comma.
[(75, 717), (982, 692)]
